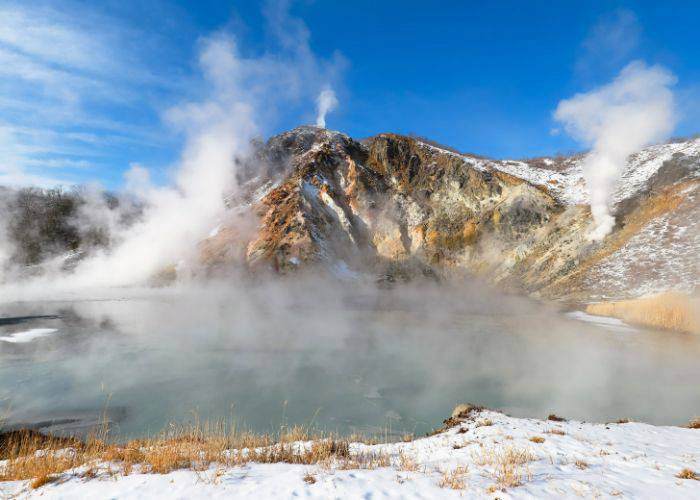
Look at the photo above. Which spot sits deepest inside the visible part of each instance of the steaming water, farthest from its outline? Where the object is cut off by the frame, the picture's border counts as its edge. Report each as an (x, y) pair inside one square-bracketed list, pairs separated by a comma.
[(349, 363)]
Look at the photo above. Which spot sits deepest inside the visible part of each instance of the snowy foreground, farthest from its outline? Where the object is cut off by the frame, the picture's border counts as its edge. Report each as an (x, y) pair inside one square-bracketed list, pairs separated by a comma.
[(488, 455)]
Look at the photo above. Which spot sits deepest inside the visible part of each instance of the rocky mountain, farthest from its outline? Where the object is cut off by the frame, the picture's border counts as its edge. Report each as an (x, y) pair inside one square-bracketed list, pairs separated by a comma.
[(399, 207)]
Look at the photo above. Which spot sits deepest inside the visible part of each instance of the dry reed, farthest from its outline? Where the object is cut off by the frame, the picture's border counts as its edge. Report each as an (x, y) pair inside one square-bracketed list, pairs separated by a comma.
[(41, 459), (668, 311)]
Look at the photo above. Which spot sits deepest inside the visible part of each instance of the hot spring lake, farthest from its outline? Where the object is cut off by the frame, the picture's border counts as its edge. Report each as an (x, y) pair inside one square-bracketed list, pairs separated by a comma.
[(382, 364)]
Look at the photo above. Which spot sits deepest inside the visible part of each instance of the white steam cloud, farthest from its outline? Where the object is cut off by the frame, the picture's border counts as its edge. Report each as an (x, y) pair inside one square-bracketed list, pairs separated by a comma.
[(326, 102), (615, 120), (177, 217), (242, 96)]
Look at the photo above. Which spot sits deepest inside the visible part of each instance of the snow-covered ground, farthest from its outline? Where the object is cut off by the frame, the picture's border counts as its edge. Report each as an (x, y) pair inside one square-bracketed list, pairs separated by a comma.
[(547, 459)]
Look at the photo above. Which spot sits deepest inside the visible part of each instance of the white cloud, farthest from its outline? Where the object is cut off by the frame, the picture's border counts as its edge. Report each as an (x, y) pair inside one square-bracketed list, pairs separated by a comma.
[(61, 72), (610, 43), (48, 36)]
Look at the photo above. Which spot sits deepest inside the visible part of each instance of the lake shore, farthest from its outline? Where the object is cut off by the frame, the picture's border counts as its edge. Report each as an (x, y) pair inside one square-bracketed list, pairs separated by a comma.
[(480, 453)]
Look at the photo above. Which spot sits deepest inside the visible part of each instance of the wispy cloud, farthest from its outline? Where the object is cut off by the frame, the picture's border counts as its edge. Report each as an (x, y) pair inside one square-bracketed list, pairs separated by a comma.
[(77, 85), (610, 43), (62, 74)]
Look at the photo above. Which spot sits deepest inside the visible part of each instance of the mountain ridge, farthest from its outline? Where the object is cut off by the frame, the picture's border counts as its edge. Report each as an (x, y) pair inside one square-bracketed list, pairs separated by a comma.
[(394, 207), (394, 201)]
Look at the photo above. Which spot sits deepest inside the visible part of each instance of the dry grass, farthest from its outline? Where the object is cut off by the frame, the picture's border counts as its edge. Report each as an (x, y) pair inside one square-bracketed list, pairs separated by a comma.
[(581, 464), (558, 432), (668, 311), (407, 463), (537, 439), (688, 474), (487, 422), (309, 478), (694, 424), (454, 479), (197, 447), (509, 464), (41, 481)]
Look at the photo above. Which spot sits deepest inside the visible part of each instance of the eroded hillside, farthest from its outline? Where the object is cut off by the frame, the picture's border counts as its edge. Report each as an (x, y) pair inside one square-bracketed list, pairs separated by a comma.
[(397, 206)]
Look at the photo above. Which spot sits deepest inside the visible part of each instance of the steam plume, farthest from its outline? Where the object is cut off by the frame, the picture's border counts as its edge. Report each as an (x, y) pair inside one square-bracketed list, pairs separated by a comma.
[(615, 120), (241, 97), (216, 130), (326, 102)]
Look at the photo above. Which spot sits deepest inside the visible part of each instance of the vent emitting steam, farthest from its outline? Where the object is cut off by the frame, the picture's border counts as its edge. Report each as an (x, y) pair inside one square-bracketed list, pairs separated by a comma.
[(326, 102), (615, 120)]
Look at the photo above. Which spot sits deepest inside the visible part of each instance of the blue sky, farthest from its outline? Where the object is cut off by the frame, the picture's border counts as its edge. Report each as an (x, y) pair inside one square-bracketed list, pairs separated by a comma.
[(86, 90)]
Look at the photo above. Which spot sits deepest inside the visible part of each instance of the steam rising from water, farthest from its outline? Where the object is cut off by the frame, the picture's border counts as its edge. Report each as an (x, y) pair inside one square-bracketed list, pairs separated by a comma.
[(617, 119), (345, 356), (326, 102), (217, 130)]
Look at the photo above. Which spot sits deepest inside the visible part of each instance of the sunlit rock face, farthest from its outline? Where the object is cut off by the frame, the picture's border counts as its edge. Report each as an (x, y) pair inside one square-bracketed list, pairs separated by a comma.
[(399, 207)]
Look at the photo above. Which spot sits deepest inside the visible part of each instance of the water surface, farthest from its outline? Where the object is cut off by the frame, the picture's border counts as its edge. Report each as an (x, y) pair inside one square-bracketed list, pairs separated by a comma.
[(383, 362)]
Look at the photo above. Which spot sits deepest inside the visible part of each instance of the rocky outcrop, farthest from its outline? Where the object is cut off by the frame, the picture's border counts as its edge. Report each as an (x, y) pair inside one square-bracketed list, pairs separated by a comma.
[(396, 207)]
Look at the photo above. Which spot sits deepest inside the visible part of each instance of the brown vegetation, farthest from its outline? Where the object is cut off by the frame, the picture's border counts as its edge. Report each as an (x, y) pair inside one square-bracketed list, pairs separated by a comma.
[(454, 479), (668, 311), (32, 456), (509, 464), (688, 474), (41, 481), (555, 431)]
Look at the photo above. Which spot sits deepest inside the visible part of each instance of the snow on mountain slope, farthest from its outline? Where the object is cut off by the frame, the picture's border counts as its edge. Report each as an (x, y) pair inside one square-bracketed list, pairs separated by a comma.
[(396, 204), (488, 455), (661, 255), (563, 177)]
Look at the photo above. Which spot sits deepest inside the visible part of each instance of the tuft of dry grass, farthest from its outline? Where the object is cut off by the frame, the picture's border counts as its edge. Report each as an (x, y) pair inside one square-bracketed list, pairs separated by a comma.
[(558, 432), (309, 478), (581, 464), (688, 474), (40, 481), (669, 311), (694, 424), (537, 439), (487, 422), (454, 479), (555, 418), (509, 464), (407, 463)]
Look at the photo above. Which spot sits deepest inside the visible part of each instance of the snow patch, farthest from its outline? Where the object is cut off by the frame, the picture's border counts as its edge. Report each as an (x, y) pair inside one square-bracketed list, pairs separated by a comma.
[(613, 324), (27, 335)]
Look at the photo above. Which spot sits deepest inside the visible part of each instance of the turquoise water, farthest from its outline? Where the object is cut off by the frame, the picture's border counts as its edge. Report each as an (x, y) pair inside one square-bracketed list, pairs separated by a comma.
[(379, 365)]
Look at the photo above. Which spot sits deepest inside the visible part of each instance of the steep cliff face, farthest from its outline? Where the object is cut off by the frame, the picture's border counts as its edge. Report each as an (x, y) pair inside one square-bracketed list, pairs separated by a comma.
[(396, 206)]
